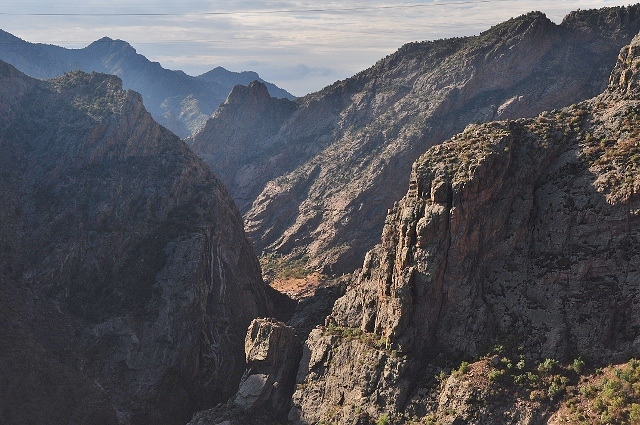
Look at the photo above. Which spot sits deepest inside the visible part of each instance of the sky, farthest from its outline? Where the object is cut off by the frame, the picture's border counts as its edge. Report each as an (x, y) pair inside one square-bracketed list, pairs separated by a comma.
[(300, 46)]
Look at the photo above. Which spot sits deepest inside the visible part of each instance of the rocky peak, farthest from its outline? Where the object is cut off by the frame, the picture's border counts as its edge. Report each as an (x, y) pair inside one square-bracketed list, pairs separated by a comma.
[(529, 22), (592, 23), (253, 93), (522, 233), (244, 125)]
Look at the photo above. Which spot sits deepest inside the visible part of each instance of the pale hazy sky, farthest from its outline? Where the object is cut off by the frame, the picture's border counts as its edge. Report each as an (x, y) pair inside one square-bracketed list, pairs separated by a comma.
[(300, 46)]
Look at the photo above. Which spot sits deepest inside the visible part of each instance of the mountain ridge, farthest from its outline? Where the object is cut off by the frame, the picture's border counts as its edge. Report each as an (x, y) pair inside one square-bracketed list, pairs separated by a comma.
[(176, 100), (516, 242), (323, 181)]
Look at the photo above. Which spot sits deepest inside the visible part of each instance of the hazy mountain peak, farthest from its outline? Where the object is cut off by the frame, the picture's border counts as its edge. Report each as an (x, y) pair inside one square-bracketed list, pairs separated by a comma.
[(107, 43), (219, 72), (178, 101), (255, 91)]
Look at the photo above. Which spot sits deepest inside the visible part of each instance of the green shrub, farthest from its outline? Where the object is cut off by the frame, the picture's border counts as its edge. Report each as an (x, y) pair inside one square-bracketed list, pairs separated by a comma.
[(634, 413), (578, 365), (496, 375), (589, 391), (554, 390), (547, 366), (464, 368), (383, 419)]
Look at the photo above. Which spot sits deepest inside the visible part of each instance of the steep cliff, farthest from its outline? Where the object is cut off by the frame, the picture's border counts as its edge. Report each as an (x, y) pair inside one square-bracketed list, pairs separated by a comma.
[(322, 183), (180, 102), (127, 283), (519, 234)]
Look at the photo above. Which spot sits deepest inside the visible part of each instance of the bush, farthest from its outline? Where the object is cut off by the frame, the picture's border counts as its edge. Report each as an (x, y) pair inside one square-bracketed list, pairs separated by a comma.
[(383, 420), (547, 366), (578, 365), (464, 368), (555, 389), (496, 375), (634, 413)]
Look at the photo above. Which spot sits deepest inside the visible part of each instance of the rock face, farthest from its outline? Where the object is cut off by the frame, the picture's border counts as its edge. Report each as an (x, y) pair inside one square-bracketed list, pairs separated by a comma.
[(126, 281), (524, 233), (273, 351), (322, 182), (178, 101)]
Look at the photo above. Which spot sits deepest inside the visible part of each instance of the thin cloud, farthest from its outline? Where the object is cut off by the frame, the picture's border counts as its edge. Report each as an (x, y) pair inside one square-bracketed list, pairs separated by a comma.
[(300, 46)]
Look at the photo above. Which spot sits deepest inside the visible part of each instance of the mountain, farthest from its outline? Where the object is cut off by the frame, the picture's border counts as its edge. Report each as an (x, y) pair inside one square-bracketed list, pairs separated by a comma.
[(318, 178), (127, 283), (515, 255), (237, 135), (180, 102)]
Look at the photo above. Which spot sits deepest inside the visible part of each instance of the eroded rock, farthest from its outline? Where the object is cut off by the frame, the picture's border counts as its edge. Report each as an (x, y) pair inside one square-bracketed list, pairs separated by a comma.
[(534, 246)]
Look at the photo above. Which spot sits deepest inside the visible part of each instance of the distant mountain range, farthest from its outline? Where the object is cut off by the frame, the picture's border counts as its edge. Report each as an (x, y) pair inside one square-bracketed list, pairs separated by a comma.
[(180, 102)]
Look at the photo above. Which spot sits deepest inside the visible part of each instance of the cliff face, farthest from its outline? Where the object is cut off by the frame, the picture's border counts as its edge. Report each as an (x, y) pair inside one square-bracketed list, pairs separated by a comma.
[(520, 233), (322, 182), (178, 101), (127, 282)]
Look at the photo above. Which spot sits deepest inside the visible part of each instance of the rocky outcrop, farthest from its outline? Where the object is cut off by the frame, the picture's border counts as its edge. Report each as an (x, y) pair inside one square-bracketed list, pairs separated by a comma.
[(180, 102), (520, 233), (264, 396), (126, 280), (336, 164), (272, 351)]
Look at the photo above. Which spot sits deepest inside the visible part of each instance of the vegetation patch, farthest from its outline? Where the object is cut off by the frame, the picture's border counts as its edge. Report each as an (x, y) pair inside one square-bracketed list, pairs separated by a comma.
[(610, 396), (368, 338), (276, 266)]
